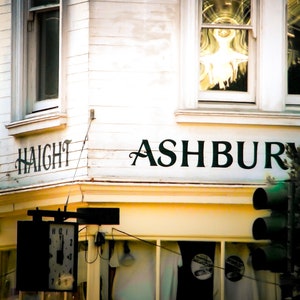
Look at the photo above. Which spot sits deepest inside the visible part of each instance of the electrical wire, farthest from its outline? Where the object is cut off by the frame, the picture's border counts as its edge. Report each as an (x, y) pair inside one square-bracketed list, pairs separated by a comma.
[(78, 161), (8, 273), (125, 233), (99, 252)]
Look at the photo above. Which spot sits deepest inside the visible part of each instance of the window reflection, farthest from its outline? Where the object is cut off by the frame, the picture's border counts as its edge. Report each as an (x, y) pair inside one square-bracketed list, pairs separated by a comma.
[(237, 10), (223, 46), (223, 59)]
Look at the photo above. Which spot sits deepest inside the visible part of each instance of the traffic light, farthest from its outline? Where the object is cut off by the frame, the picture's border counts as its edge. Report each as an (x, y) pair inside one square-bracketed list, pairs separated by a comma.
[(278, 228)]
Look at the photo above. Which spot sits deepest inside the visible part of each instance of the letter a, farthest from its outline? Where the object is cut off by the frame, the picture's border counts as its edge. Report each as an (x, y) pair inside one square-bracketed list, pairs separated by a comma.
[(148, 153)]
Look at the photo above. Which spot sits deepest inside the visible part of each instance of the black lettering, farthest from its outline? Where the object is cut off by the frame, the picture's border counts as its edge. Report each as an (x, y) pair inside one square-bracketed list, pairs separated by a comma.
[(54, 154), (269, 155), (20, 161), (32, 160), (217, 153), (65, 148), (148, 153), (47, 164), (240, 154), (199, 153), (168, 153), (39, 157)]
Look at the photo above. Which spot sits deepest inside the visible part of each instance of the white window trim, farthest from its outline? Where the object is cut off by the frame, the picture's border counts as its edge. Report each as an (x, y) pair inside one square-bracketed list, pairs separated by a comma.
[(54, 116), (263, 111)]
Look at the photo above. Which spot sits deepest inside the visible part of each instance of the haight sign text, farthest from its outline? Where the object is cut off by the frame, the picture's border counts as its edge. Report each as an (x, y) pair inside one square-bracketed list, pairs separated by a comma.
[(43, 157)]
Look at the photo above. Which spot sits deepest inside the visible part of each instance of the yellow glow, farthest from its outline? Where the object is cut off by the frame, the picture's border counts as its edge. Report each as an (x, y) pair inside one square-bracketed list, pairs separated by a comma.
[(223, 45), (221, 66)]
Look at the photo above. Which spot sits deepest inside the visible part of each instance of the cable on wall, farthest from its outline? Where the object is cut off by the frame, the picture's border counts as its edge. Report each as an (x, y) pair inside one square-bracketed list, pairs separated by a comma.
[(92, 117)]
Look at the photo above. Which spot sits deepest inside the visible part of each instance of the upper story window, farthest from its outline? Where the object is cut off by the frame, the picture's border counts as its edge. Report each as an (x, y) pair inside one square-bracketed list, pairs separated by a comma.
[(37, 66), (226, 50), (239, 62), (43, 54), (293, 50)]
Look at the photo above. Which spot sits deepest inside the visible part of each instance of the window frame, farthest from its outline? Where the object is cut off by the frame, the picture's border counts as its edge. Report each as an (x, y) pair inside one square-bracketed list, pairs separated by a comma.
[(26, 117), (279, 111), (291, 99), (33, 103), (32, 37), (226, 95), (221, 250)]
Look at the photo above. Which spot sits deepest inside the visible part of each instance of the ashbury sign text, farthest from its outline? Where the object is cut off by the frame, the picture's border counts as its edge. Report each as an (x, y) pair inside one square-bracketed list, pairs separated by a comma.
[(222, 154)]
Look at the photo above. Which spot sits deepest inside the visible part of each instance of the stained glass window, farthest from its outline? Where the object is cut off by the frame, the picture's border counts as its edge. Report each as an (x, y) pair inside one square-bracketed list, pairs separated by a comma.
[(224, 27)]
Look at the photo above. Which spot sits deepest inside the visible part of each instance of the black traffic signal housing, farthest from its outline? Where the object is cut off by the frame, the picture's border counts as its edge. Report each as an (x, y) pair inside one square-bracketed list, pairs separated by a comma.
[(276, 256)]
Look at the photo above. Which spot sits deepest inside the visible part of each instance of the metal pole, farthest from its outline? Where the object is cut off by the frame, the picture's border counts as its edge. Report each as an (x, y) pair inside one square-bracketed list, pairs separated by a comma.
[(287, 279)]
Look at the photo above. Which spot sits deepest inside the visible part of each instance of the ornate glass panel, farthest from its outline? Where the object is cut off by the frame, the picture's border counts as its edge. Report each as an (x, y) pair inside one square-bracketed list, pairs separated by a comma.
[(224, 45)]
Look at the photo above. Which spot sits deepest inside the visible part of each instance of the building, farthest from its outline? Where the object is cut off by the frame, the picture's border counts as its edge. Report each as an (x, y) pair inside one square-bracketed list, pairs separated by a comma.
[(173, 111)]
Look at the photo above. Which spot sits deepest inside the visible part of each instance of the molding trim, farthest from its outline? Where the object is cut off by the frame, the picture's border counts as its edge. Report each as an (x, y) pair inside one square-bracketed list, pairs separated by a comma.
[(237, 117), (101, 193), (37, 124)]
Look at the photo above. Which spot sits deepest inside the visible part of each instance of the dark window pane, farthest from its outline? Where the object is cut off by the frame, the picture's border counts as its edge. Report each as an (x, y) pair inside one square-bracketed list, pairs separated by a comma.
[(44, 2), (48, 55), (293, 47)]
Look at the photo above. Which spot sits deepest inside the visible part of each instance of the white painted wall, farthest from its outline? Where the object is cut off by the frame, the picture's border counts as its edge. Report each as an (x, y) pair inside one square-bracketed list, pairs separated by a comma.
[(121, 58)]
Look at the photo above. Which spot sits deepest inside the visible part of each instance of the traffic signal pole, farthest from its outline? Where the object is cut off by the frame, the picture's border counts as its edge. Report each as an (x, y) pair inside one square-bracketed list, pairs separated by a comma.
[(288, 279), (282, 228), (290, 227)]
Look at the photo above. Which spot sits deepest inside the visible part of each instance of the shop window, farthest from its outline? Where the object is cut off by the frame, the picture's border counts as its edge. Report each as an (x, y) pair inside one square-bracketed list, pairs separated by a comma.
[(293, 50), (134, 262), (82, 271), (197, 274), (177, 270), (8, 275), (36, 63), (170, 270)]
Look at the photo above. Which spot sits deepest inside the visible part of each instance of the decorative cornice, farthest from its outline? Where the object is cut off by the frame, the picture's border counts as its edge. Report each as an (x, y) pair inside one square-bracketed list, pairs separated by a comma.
[(95, 193)]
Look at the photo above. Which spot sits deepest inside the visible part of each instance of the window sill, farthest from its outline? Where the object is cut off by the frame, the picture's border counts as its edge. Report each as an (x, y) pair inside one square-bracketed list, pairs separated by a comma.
[(238, 117), (37, 124)]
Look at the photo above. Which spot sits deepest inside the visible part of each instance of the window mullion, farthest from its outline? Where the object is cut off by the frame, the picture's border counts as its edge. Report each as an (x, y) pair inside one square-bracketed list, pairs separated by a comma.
[(42, 8), (225, 51), (157, 269), (254, 18), (271, 74), (226, 26)]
